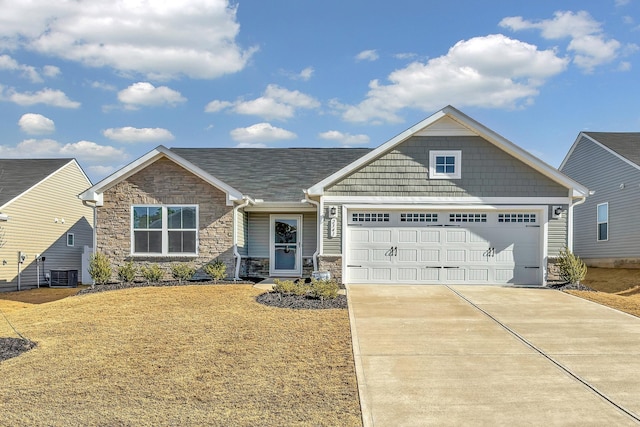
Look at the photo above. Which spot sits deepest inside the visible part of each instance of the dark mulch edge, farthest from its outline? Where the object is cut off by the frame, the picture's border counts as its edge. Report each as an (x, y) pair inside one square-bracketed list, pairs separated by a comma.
[(12, 347), (119, 286), (571, 287), (300, 302)]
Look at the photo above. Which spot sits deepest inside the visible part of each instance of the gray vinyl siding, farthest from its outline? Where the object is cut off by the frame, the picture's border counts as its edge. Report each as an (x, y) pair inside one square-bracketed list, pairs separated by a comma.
[(332, 246), (557, 233), (487, 171), (258, 234), (603, 172)]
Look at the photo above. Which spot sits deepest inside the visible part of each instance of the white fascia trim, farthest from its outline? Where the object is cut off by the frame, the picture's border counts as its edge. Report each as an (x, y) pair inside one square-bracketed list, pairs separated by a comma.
[(528, 207), (466, 121), (604, 147), (390, 200), (41, 181), (149, 158), (284, 207)]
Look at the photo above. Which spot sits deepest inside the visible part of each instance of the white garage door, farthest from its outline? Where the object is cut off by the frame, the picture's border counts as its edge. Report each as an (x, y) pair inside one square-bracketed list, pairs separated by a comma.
[(443, 247)]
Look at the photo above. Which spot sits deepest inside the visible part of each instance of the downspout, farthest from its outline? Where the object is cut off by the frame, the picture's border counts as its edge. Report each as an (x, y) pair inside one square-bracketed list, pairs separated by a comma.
[(95, 223), (570, 221), (236, 254), (319, 233)]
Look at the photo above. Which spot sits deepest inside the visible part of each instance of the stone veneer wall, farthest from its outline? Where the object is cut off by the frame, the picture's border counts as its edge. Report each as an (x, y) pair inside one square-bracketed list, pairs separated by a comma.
[(332, 264), (165, 182), (259, 267)]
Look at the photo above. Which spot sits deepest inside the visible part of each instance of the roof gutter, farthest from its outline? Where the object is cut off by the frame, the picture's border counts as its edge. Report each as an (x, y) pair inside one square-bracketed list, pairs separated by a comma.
[(247, 200), (319, 233)]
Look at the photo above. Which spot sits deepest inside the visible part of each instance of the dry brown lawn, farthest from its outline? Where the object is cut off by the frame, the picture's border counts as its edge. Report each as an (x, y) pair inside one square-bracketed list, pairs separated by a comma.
[(193, 355), (618, 288)]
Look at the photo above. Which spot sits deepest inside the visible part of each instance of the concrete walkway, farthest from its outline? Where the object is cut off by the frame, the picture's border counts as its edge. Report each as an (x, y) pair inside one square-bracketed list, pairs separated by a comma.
[(480, 355)]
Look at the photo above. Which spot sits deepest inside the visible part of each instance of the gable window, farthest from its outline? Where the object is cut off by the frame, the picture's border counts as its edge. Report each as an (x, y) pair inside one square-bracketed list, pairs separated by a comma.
[(71, 239), (164, 230), (603, 221), (445, 164)]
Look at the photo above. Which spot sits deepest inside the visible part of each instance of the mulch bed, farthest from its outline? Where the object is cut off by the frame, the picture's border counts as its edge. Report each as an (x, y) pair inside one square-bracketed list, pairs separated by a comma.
[(297, 302), (12, 347), (116, 286), (571, 287)]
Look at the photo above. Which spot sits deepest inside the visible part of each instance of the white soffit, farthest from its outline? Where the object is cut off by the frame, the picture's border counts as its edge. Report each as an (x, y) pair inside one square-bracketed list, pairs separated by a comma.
[(446, 126)]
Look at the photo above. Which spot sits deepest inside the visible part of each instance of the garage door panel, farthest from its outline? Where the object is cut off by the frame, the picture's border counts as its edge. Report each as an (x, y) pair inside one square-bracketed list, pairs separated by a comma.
[(381, 274), (430, 236), (478, 255), (359, 255), (380, 255), (360, 235), (430, 255), (455, 236), (455, 275), (407, 236), (381, 236), (456, 255), (358, 274), (407, 274), (478, 275), (430, 274), (504, 275), (407, 255)]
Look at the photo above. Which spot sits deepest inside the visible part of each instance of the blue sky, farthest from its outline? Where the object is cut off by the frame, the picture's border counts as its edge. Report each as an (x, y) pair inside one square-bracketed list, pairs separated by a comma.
[(105, 82)]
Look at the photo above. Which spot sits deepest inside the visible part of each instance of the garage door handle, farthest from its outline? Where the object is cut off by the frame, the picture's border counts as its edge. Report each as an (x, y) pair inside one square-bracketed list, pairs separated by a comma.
[(450, 267), (531, 267), (536, 226), (430, 266), (349, 265)]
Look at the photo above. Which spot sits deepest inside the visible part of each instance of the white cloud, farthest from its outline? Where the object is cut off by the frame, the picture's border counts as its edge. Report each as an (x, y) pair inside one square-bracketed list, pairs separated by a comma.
[(156, 38), (251, 145), (131, 134), (405, 55), (276, 103), (367, 55), (344, 138), (306, 74), (260, 133), (84, 151), (104, 86), (55, 98), (622, 2), (36, 124), (27, 71), (492, 71), (101, 170), (590, 46), (147, 95)]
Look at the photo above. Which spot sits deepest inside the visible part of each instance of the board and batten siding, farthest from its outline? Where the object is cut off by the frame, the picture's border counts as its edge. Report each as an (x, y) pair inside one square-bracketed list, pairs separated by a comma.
[(557, 233), (32, 228), (259, 233), (603, 172), (487, 171)]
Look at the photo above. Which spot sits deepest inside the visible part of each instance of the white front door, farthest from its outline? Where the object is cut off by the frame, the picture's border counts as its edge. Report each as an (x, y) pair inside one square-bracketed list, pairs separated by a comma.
[(286, 245)]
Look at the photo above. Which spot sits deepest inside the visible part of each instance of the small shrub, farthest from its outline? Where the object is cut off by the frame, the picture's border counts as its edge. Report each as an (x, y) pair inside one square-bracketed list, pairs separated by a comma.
[(100, 268), (216, 270), (182, 272), (152, 273), (286, 287), (324, 289), (127, 272), (571, 268)]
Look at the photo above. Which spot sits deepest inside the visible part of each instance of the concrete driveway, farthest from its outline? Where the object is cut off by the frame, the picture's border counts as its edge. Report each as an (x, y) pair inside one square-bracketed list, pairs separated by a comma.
[(481, 355)]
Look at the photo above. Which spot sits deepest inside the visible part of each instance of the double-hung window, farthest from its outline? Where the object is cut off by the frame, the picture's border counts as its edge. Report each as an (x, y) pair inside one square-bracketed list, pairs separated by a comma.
[(164, 230), (603, 221), (445, 164)]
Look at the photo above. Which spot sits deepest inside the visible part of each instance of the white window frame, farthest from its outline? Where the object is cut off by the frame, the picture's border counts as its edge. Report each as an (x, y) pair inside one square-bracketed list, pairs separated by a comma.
[(456, 154), (73, 239), (598, 222), (165, 231)]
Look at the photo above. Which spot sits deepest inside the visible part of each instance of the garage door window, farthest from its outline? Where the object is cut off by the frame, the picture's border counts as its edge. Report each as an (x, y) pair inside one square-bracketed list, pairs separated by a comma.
[(467, 217), (517, 217), (369, 217), (418, 217)]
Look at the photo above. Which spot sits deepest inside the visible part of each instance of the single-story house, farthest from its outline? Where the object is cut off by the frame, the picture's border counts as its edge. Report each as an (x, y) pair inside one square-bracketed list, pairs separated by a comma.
[(43, 225), (446, 201), (607, 230)]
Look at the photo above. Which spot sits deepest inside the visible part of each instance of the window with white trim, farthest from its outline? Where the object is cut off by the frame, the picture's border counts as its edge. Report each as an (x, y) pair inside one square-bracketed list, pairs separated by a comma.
[(369, 217), (517, 217), (603, 221), (418, 217), (467, 217), (71, 239), (164, 229), (445, 164)]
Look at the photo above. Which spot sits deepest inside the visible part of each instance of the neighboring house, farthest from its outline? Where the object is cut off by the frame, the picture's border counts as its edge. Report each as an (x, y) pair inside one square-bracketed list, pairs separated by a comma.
[(446, 201), (40, 214), (607, 232)]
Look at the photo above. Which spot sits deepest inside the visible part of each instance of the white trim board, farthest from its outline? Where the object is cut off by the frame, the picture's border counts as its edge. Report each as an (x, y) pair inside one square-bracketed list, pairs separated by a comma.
[(471, 201)]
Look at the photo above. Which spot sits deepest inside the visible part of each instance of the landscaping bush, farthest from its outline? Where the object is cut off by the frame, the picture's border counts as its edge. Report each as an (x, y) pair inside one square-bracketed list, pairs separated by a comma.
[(571, 268), (127, 272), (152, 273), (324, 289), (216, 270), (289, 287), (100, 268), (182, 272)]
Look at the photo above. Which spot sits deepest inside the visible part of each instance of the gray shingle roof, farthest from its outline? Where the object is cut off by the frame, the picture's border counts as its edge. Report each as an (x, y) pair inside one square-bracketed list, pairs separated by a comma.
[(18, 175), (626, 144), (271, 174)]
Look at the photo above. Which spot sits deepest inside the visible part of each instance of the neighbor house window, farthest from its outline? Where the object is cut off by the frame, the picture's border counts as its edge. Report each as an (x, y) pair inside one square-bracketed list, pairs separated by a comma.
[(164, 230), (445, 164), (603, 221), (71, 239)]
